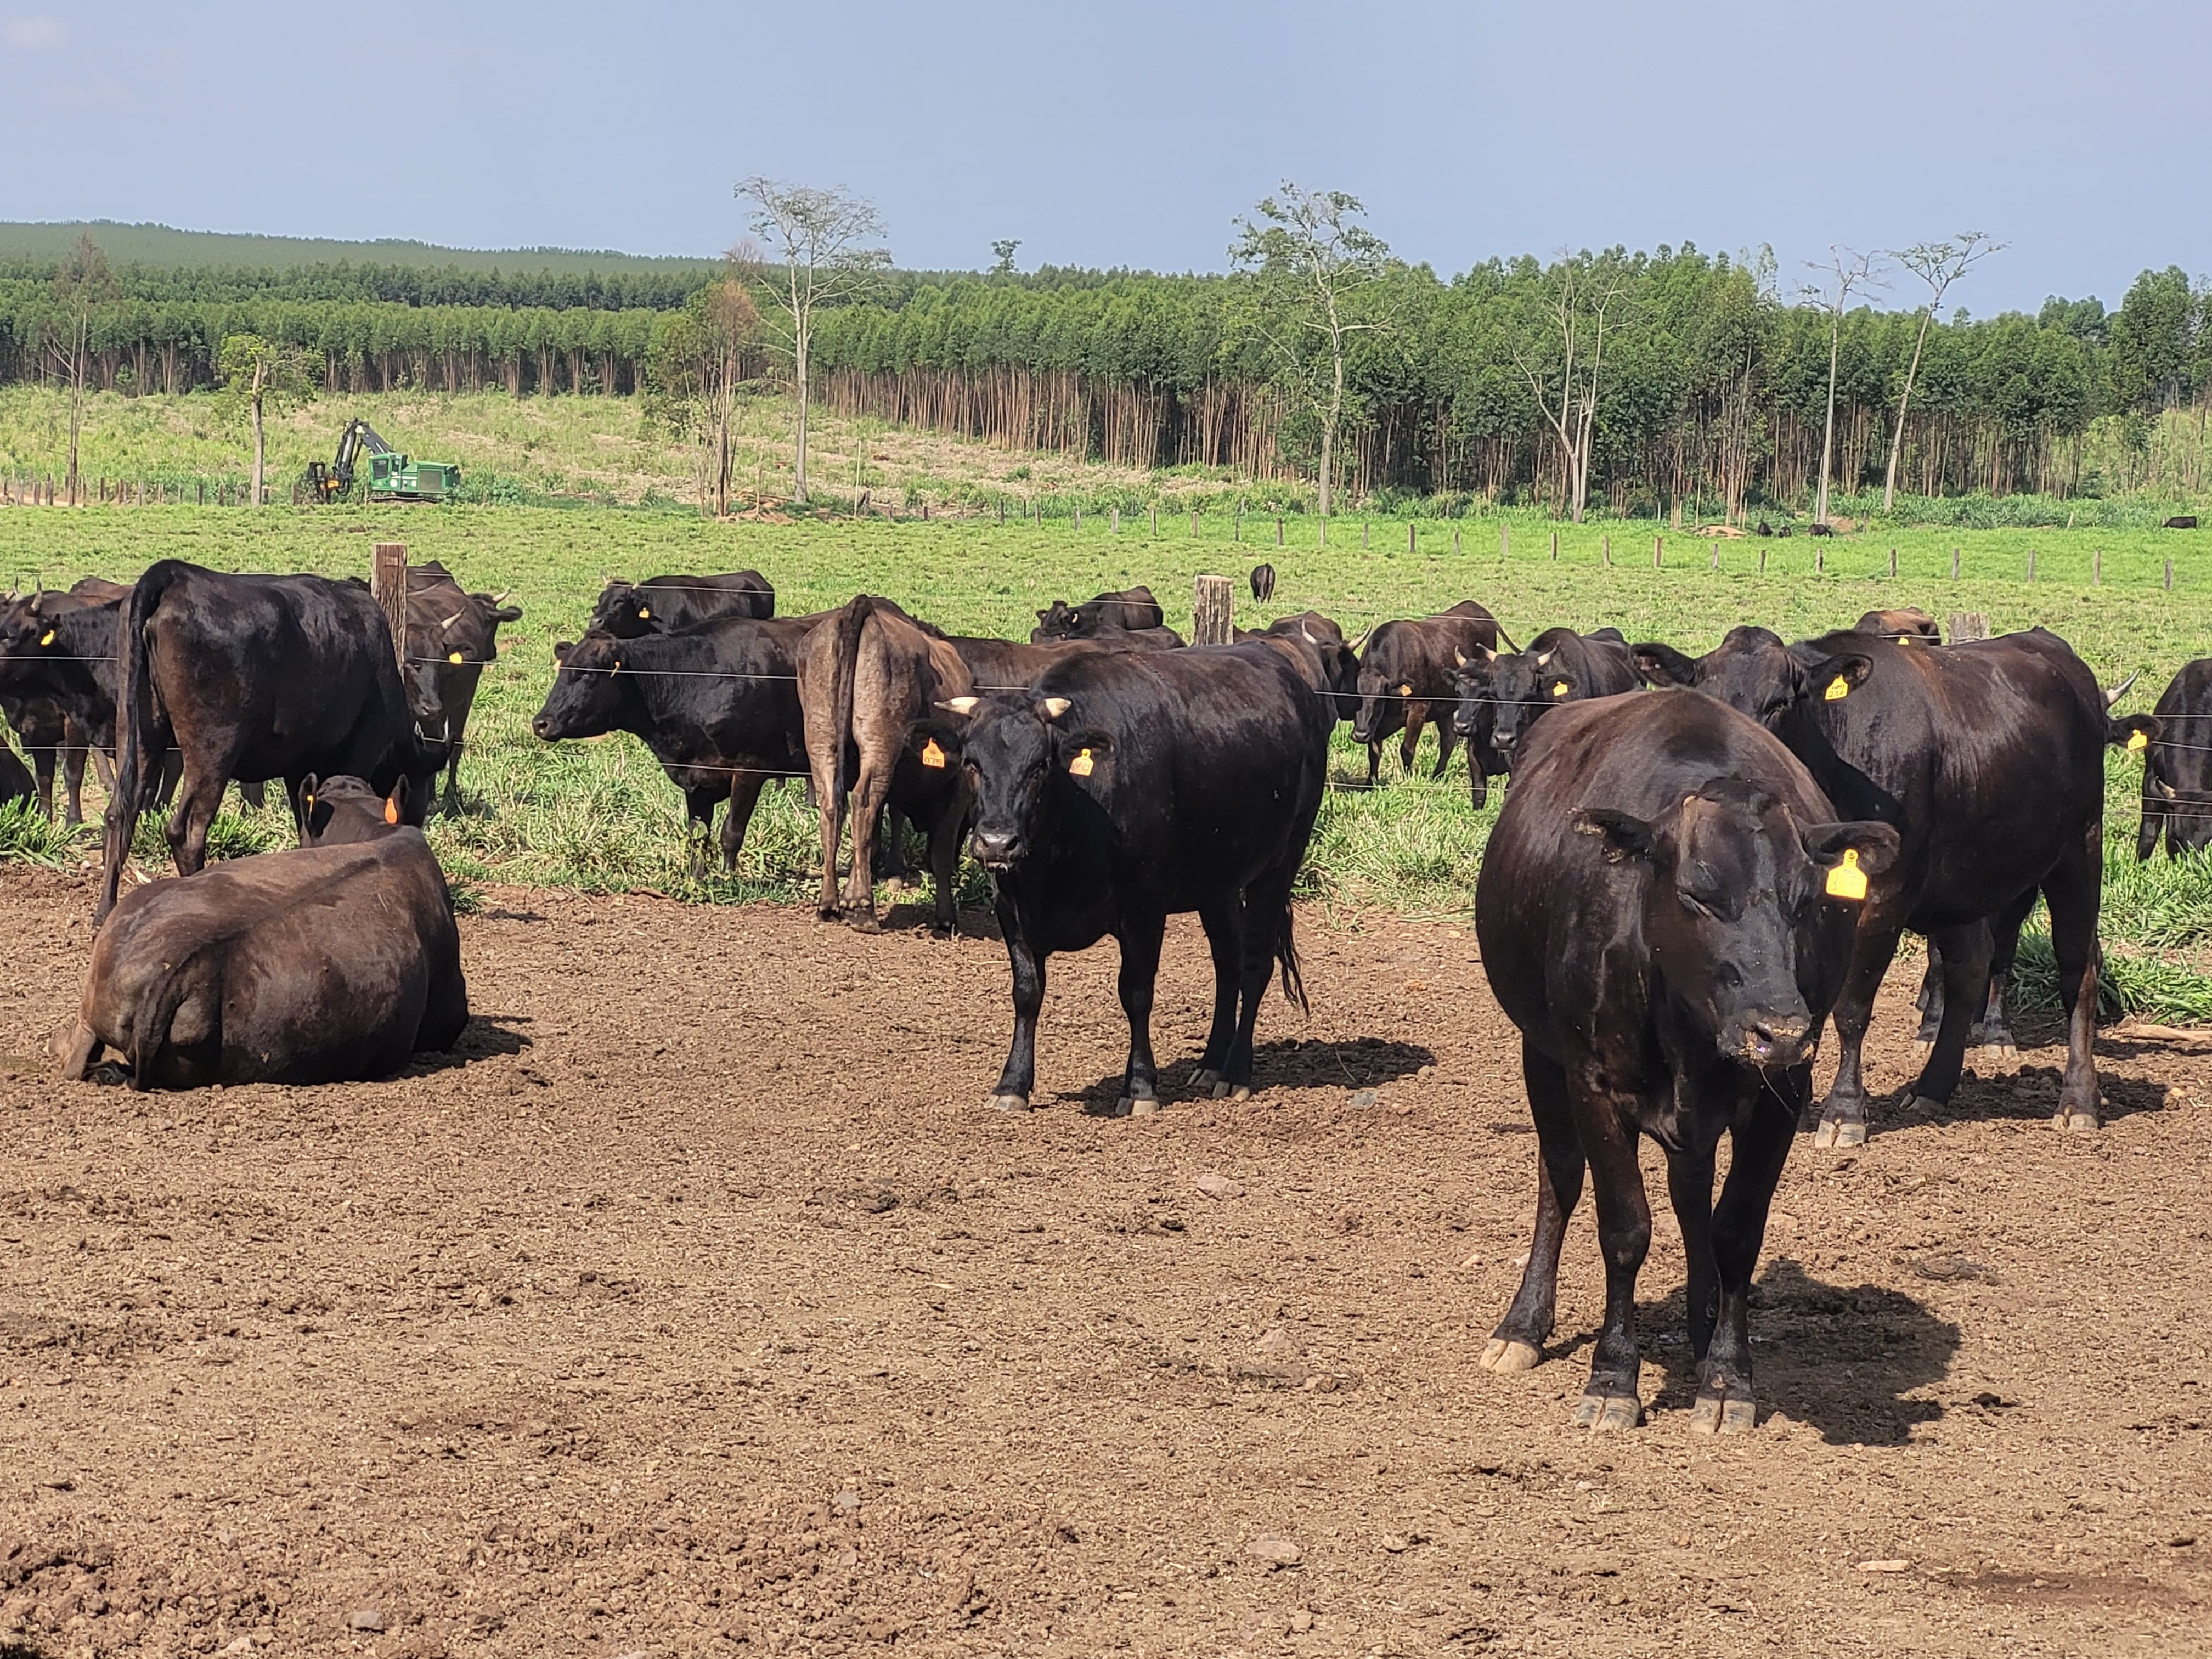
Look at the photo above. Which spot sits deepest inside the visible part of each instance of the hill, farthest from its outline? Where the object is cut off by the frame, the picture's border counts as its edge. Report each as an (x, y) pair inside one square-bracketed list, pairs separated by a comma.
[(162, 245)]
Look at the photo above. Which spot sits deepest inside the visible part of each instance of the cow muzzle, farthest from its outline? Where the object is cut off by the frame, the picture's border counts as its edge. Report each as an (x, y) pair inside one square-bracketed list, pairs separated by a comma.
[(1771, 1039), (996, 849)]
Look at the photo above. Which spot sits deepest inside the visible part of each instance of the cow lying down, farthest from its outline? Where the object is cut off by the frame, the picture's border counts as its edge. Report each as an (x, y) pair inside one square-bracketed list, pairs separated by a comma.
[(334, 962)]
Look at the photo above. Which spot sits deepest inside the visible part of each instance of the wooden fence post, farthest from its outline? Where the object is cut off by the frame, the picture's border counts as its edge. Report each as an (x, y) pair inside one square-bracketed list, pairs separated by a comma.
[(1762, 562), (1658, 552), (1955, 564), (1605, 548), (1213, 603), (1820, 561), (1156, 521), (1366, 534), (1411, 546), (1717, 556), (1278, 530), (1506, 541), (1078, 515), (1324, 533), (2169, 575), (1194, 524), (1454, 541), (1969, 625), (387, 581), (2031, 564), (1002, 509), (1555, 547), (2097, 568), (1892, 564)]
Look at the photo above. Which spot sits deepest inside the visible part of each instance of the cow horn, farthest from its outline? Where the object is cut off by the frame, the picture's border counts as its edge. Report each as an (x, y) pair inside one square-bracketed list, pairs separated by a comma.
[(450, 620), (2121, 690), (1543, 658), (1459, 658), (1055, 707), (500, 597), (1360, 641)]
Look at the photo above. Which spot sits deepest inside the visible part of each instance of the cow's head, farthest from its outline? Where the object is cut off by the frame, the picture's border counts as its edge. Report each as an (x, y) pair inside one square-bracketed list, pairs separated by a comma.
[(1014, 745), (1736, 896), (588, 694), (1058, 621), (1522, 685), (1383, 689), (625, 610), (337, 812), (1754, 673), (1472, 712)]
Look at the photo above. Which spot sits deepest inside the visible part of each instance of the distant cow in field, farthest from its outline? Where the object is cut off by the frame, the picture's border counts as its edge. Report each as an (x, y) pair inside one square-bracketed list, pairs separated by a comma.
[(1131, 608), (661, 604), (1658, 913), (1559, 665), (1819, 530), (253, 678), (1263, 583), (452, 636), (1989, 759), (1405, 680), (1906, 626), (716, 704), (324, 965), (2180, 522), (870, 677), (1120, 789), (2177, 785), (34, 663)]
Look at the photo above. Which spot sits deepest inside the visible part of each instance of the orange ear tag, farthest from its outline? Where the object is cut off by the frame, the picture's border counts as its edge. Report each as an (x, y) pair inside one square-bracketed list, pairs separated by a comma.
[(1080, 765), (2137, 742), (1558, 688), (1839, 688), (1847, 880), (932, 755), (392, 812)]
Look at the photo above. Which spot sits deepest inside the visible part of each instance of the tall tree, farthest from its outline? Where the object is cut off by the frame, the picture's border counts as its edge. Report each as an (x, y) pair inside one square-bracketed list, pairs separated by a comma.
[(1313, 278), (825, 241), (263, 377), (693, 373), (1938, 264), (82, 287), (1583, 297), (1003, 250), (1847, 273)]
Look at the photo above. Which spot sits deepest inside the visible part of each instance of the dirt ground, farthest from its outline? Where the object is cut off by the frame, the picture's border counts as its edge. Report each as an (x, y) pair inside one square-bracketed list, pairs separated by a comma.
[(698, 1306)]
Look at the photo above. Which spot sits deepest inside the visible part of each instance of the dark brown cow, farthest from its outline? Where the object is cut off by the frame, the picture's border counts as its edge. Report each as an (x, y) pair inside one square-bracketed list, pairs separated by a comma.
[(452, 636), (1908, 625), (869, 678), (1405, 680), (1132, 608)]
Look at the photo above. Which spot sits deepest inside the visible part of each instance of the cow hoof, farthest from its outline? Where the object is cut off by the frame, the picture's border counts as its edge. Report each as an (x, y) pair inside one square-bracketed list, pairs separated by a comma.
[(1137, 1106), (1608, 1411), (1203, 1079), (825, 912), (1723, 1414), (1232, 1090), (1009, 1102), (1839, 1132), (1504, 1354), (2075, 1117), (2006, 1054), (863, 922)]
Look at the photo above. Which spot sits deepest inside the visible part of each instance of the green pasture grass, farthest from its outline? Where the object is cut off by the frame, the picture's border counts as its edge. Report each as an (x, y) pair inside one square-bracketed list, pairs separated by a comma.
[(602, 816)]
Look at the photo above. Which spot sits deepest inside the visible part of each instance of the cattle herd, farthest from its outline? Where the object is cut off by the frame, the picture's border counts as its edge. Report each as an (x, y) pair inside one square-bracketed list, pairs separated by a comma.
[(1700, 861)]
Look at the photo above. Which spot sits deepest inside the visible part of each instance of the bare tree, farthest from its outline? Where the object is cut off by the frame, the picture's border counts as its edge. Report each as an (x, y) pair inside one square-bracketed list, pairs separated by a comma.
[(1313, 280), (83, 286), (1939, 264), (694, 370), (1848, 273), (824, 241), (1583, 297), (260, 376)]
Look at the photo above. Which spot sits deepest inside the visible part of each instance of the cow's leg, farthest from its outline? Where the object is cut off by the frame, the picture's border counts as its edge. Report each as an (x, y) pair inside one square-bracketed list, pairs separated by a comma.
[(698, 827), (1447, 740), (829, 808), (1843, 1114), (1416, 713), (2073, 890), (1139, 938), (1610, 1400), (42, 768), (1478, 779), (1019, 1076), (1266, 909), (453, 801), (103, 768), (1725, 1402), (73, 759), (1992, 1034), (1965, 985), (1690, 1189), (869, 789), (744, 796), (197, 801), (945, 864), (1929, 1001), (1518, 1343), (1374, 761), (889, 865), (1223, 921), (2153, 822)]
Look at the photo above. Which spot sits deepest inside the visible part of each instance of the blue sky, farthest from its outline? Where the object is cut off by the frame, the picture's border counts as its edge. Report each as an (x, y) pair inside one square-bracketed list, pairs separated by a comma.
[(1133, 133)]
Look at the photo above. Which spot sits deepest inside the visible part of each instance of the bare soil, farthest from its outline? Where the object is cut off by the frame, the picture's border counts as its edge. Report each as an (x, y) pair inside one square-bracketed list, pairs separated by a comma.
[(698, 1305)]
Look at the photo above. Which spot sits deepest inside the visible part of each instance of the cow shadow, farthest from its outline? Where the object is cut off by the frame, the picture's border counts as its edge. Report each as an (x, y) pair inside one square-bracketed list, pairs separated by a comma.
[(1844, 1358), (1307, 1064), (484, 1037), (1994, 1091)]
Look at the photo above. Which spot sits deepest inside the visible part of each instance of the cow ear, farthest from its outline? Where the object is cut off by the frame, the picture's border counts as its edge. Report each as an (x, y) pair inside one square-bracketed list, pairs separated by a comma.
[(1664, 664), (561, 648), (1827, 843), (2137, 731), (1626, 835), (1839, 676)]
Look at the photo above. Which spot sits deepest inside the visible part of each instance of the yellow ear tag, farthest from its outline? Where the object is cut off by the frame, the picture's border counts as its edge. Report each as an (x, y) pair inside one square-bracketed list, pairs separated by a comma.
[(1839, 688), (392, 812), (1080, 765), (1405, 691), (1847, 880), (1558, 688), (47, 638), (455, 657), (932, 755), (644, 615), (2137, 742)]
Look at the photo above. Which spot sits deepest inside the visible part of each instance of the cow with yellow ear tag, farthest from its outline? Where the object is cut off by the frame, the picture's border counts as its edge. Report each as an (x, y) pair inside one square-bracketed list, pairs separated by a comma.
[(1559, 667), (1406, 679), (1120, 789), (453, 638)]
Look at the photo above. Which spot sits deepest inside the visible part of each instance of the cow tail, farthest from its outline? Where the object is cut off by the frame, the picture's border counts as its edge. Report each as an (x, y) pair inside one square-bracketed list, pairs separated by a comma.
[(136, 723), (1286, 956), (845, 665)]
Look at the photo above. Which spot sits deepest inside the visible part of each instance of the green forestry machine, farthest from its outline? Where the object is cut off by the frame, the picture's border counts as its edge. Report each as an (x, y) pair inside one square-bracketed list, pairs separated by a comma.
[(391, 476)]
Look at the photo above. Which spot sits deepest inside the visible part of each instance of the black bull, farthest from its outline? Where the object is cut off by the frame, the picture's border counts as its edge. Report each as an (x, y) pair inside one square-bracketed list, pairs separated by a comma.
[(1122, 789), (1988, 758), (1654, 914), (253, 678), (2177, 785)]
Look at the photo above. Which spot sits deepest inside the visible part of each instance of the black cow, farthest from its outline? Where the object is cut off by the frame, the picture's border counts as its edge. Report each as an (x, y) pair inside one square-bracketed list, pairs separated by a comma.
[(451, 634), (253, 678), (1405, 680), (1988, 757), (1511, 690), (1133, 608), (1907, 625), (1122, 788), (58, 692), (16, 783), (661, 604), (324, 964), (1263, 583), (2177, 785), (2179, 521), (717, 704), (1656, 913), (1324, 656)]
